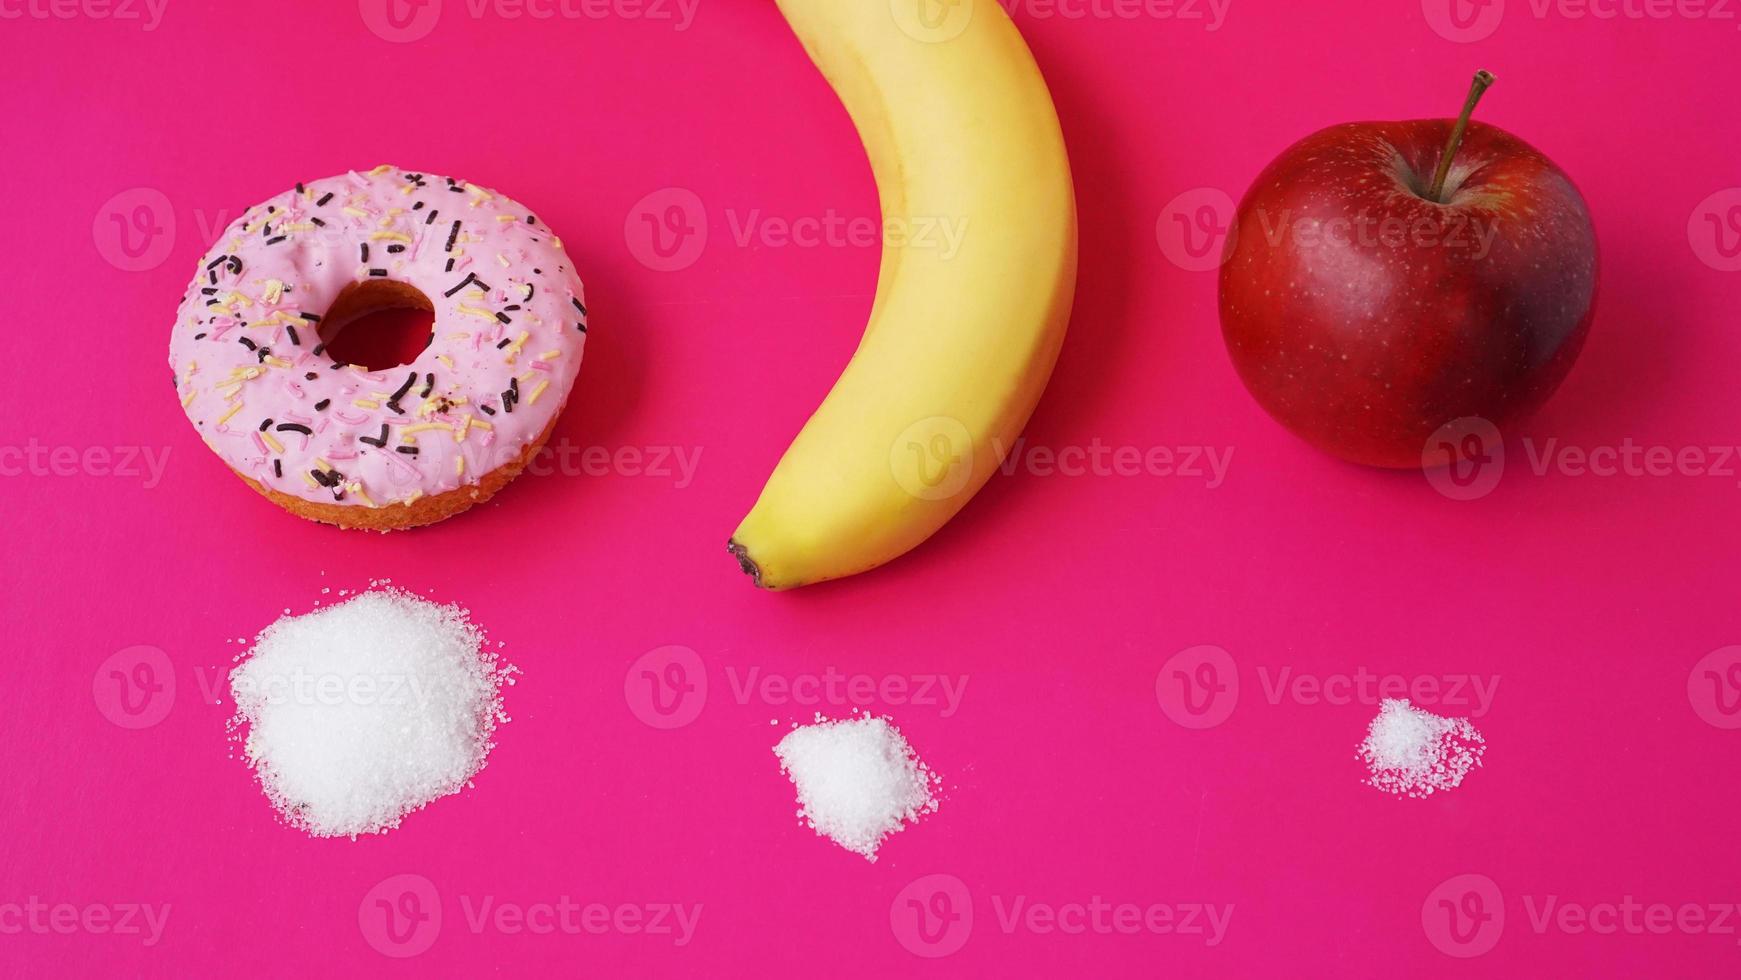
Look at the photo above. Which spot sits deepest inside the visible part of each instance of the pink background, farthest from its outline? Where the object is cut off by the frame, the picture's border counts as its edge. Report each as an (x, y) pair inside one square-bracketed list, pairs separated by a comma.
[(1059, 598)]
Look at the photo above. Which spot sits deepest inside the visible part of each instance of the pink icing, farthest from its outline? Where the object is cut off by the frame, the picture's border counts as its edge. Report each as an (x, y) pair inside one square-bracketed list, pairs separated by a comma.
[(277, 269)]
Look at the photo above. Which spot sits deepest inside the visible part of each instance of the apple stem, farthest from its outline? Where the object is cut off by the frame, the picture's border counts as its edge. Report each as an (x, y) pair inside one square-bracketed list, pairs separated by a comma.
[(1477, 89)]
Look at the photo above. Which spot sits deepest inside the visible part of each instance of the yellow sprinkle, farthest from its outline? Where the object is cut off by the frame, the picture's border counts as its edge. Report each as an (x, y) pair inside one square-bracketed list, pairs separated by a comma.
[(277, 362), (537, 391), (357, 488), (550, 355), (505, 218), (462, 336), (525, 376), (300, 226), (424, 427), (325, 467), (389, 236), (191, 393), (309, 479), (459, 465), (230, 414), (464, 426), (271, 440), (366, 403), (443, 358), (503, 259), (556, 243), (408, 188), (481, 424), (476, 311), (378, 171), (416, 495), (478, 191), (353, 212), (274, 291), (308, 192)]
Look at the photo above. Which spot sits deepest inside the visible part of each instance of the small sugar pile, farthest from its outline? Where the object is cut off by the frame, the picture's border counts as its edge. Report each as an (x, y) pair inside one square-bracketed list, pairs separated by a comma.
[(858, 780), (364, 712), (1416, 753)]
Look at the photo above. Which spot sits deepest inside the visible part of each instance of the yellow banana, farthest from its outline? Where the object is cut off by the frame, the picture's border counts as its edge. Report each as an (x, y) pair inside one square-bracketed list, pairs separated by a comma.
[(966, 325)]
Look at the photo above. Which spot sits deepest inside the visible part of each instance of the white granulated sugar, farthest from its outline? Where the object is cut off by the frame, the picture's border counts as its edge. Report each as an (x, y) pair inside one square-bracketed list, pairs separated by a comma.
[(858, 780), (359, 714), (1416, 753)]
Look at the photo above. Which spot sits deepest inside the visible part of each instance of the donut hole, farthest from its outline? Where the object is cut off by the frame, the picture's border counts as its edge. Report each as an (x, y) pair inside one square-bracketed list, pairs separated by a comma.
[(378, 324)]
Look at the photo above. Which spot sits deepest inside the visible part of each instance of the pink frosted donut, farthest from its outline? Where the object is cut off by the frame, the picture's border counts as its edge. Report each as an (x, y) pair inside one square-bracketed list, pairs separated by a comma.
[(399, 447)]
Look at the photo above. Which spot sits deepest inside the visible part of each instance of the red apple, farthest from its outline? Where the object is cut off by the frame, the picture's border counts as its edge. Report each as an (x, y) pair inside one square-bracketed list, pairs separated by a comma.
[(1384, 279)]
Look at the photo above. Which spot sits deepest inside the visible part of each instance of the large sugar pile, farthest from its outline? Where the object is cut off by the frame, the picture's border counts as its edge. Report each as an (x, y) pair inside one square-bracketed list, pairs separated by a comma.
[(1416, 753), (359, 714), (858, 780)]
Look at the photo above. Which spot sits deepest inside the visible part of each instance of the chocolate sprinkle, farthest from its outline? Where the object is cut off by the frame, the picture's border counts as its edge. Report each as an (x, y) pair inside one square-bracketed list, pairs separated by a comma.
[(470, 278), (452, 236), (320, 406), (322, 202), (379, 442), (294, 427)]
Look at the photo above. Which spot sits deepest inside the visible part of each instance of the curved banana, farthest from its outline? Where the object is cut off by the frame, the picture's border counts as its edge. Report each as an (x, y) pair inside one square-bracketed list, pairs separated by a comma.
[(967, 322)]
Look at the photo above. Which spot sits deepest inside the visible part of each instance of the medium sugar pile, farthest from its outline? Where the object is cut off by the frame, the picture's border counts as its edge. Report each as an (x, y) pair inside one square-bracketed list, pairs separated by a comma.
[(858, 780), (1416, 753), (362, 713)]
